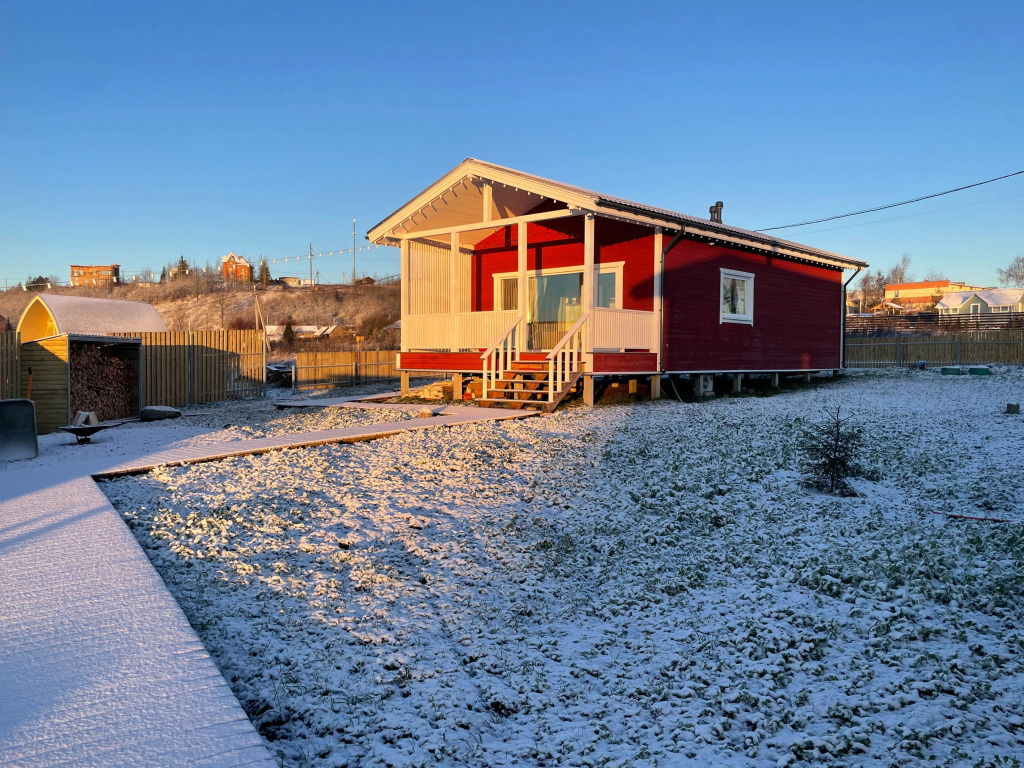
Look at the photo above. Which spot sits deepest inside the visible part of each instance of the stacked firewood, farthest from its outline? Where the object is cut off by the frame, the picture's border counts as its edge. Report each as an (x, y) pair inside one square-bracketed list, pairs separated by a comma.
[(102, 381)]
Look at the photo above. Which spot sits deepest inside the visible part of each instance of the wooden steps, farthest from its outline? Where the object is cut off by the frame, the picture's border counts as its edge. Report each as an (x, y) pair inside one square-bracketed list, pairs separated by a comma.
[(525, 384)]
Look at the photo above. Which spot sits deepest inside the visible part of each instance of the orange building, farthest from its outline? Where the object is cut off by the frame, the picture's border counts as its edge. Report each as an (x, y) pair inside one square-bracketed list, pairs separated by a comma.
[(235, 269), (106, 274), (923, 295)]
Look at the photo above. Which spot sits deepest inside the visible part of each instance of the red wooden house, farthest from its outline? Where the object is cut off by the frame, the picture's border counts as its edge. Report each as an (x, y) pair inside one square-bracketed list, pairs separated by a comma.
[(533, 284)]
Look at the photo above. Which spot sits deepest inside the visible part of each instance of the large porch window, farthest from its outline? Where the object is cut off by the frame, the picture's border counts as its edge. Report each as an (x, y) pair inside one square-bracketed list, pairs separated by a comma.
[(555, 300)]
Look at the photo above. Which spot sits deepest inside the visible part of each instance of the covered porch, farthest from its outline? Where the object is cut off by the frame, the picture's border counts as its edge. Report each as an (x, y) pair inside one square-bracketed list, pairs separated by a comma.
[(535, 277)]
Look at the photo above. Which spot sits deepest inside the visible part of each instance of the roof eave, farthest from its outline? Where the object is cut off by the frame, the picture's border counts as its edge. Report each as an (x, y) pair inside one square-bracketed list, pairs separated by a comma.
[(746, 239)]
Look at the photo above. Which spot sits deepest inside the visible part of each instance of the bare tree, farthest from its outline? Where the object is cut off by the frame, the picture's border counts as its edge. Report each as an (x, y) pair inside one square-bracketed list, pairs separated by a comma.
[(872, 288), (1013, 275), (901, 272), (934, 276)]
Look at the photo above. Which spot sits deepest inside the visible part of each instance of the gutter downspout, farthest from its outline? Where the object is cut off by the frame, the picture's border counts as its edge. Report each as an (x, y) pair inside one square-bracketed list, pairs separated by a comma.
[(842, 322), (665, 252)]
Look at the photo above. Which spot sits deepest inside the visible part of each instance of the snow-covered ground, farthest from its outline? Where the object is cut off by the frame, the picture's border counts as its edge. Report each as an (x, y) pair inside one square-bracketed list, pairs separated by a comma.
[(632, 585)]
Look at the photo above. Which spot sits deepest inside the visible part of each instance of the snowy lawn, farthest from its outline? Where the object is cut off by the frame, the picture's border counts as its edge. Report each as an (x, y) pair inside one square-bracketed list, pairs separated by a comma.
[(631, 585)]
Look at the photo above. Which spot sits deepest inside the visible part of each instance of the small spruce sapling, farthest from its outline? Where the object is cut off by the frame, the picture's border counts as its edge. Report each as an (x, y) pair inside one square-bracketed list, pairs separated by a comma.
[(829, 454)]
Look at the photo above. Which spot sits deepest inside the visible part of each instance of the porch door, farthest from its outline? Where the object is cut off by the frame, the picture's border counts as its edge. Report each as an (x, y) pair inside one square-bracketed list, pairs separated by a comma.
[(556, 302)]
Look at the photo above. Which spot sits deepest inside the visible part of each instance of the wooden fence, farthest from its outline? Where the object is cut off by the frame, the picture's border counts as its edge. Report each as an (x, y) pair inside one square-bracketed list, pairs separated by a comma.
[(181, 368), (982, 348), (932, 324), (10, 367), (323, 370)]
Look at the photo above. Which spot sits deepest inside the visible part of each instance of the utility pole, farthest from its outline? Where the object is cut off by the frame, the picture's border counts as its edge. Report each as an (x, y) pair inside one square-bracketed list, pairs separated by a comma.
[(311, 266), (353, 251)]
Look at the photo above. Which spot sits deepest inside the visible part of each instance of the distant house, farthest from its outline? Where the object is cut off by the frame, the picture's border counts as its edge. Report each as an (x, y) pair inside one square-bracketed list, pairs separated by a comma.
[(996, 301), (54, 315), (235, 269), (276, 332), (365, 281), (887, 308), (921, 296), (296, 282), (106, 274)]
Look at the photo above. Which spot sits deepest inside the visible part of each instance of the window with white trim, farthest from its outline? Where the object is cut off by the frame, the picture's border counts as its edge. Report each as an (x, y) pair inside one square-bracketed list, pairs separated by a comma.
[(507, 294), (736, 297), (608, 277)]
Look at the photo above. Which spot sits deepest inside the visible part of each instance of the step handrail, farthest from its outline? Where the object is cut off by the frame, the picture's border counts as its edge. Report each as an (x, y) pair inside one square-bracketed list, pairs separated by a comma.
[(565, 338), (564, 359), (501, 338), (498, 356)]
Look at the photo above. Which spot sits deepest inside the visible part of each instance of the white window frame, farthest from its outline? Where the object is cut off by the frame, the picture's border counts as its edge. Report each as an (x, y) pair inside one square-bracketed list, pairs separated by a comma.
[(602, 268), (732, 274), (976, 309)]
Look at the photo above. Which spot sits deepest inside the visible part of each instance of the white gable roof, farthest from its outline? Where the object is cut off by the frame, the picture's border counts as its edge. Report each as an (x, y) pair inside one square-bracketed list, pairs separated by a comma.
[(998, 297), (1001, 297), (99, 317), (459, 194)]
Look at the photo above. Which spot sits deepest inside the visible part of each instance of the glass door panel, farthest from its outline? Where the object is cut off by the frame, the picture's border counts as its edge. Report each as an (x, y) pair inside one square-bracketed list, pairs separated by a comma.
[(556, 302)]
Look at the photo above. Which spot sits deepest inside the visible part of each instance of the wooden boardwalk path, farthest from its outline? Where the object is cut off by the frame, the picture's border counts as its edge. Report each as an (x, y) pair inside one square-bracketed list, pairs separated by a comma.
[(98, 665)]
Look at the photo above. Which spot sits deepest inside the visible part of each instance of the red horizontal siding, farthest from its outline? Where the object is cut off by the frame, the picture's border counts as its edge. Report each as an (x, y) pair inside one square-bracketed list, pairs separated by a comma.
[(797, 313), (625, 362), (441, 361)]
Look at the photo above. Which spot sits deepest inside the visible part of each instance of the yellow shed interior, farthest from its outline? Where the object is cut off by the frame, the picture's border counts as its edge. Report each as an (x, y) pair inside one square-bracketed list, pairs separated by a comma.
[(36, 322)]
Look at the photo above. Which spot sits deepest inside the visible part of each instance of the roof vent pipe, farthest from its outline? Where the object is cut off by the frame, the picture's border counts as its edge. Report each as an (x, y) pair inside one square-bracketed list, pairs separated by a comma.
[(716, 212)]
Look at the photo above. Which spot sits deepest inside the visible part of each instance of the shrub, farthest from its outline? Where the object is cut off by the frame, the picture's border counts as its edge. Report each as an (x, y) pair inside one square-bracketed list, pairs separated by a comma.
[(829, 454)]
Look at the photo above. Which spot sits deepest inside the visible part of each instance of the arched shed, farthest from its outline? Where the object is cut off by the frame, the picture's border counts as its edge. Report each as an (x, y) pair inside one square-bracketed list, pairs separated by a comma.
[(55, 315)]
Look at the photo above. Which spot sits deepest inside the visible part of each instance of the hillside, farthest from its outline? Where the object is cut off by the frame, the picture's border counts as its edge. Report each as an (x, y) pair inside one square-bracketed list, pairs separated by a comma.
[(186, 305)]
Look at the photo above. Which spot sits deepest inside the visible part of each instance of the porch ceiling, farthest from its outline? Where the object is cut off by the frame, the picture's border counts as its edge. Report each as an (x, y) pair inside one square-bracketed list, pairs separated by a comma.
[(463, 203)]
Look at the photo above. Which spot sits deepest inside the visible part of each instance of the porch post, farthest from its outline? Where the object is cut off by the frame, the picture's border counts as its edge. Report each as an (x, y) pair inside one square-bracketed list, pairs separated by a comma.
[(588, 287), (659, 266), (523, 289), (488, 201), (455, 292), (404, 279)]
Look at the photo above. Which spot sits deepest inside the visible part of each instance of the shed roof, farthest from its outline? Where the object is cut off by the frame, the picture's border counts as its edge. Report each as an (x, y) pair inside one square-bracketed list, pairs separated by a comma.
[(98, 317), (431, 203)]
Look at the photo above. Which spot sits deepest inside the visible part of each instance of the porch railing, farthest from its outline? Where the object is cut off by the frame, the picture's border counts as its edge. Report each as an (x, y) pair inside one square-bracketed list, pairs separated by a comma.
[(499, 356), (624, 329), (478, 330), (433, 332), (445, 332), (566, 359), (618, 329)]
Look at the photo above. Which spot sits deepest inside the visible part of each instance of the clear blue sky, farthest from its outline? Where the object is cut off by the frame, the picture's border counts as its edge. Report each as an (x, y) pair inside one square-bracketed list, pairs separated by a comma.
[(138, 132)]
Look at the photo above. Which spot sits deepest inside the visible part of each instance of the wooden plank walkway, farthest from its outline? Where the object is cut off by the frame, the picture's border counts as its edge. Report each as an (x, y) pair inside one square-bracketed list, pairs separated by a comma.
[(99, 666)]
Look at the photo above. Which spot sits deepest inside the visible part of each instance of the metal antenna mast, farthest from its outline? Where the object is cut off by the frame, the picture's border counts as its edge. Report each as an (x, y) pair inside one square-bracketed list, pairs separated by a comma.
[(353, 251)]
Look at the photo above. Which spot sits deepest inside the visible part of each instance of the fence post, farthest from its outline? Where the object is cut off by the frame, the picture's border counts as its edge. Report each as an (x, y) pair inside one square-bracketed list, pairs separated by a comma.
[(897, 354), (957, 352), (191, 369)]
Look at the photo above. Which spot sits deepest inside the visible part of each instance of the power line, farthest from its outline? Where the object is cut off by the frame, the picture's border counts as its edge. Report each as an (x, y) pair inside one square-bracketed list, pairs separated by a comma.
[(913, 215), (892, 205)]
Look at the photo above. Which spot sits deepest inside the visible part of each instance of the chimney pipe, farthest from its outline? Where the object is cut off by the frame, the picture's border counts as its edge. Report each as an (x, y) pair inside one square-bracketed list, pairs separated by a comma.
[(716, 212)]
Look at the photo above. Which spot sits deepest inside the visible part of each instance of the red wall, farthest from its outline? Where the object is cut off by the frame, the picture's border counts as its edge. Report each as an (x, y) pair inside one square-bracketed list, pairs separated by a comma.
[(559, 243), (797, 313)]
